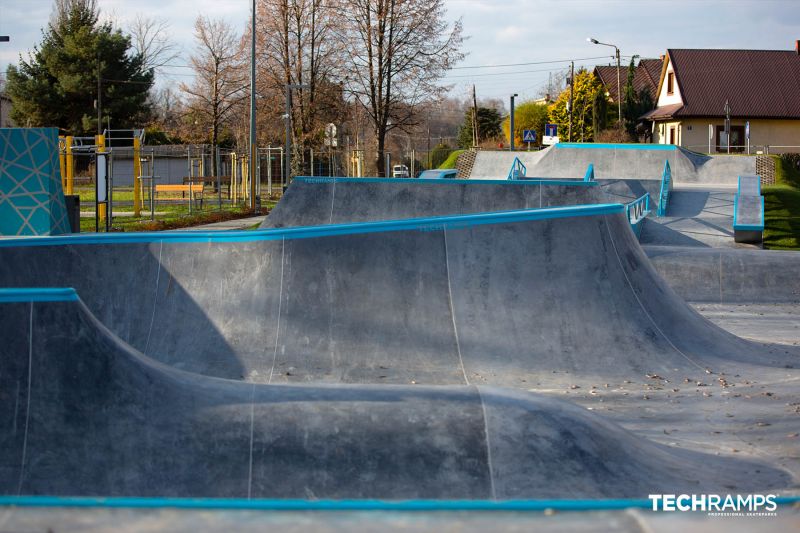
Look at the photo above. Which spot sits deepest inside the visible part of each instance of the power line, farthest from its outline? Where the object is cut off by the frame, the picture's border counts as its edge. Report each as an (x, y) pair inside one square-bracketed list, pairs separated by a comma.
[(531, 63)]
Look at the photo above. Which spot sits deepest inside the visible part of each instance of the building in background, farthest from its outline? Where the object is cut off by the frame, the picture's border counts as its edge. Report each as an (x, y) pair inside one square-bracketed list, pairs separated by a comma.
[(761, 87), (645, 76)]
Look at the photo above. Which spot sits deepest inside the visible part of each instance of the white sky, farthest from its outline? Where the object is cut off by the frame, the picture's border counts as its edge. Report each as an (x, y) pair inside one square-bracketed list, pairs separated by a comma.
[(500, 32)]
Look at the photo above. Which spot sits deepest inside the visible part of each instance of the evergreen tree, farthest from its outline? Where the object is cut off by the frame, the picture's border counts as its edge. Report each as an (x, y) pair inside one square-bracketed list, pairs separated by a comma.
[(58, 85), (488, 126), (630, 104)]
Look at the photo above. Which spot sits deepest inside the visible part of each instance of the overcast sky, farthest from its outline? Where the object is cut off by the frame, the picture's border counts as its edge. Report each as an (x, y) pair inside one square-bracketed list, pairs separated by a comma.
[(500, 32)]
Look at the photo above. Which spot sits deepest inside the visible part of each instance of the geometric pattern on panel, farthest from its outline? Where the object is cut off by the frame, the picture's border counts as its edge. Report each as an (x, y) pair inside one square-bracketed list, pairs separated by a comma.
[(31, 196)]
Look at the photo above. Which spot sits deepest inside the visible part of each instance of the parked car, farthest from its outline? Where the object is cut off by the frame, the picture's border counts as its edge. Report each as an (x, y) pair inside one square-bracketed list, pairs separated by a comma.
[(400, 171), (449, 173)]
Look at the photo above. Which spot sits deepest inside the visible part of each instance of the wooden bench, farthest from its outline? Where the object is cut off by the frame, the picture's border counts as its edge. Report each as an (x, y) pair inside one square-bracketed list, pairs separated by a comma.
[(195, 189)]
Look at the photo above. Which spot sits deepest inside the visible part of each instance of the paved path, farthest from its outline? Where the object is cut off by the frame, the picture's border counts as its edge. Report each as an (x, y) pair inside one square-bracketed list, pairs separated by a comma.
[(229, 225)]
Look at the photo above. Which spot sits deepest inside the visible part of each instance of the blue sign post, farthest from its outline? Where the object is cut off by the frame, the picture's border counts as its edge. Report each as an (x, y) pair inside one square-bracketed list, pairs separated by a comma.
[(550, 134), (529, 136)]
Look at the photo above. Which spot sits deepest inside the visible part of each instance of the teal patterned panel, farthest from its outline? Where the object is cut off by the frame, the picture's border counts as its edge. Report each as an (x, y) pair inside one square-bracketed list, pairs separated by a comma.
[(31, 197)]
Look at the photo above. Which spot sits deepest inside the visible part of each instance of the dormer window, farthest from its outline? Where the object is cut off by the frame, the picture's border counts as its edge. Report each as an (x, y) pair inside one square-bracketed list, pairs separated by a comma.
[(670, 82)]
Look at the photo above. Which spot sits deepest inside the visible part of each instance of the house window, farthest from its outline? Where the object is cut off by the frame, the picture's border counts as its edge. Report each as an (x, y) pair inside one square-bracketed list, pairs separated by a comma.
[(670, 82), (737, 139)]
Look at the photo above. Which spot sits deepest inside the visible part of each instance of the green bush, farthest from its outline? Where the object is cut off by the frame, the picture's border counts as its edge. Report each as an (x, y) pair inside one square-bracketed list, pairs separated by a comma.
[(450, 162), (439, 154)]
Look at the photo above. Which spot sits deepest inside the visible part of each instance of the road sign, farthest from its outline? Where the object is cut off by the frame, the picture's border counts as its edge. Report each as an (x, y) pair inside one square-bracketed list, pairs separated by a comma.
[(330, 135), (550, 134), (529, 136)]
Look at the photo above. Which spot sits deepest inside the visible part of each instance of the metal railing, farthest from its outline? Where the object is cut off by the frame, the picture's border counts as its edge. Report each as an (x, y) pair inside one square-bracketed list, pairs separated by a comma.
[(663, 196), (518, 170), (637, 211)]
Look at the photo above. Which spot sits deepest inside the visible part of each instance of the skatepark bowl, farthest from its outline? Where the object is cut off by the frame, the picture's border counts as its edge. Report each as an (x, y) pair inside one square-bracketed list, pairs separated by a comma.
[(383, 345)]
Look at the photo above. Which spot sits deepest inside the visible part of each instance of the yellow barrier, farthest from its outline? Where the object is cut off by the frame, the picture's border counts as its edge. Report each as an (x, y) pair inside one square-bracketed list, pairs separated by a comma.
[(137, 177), (100, 141)]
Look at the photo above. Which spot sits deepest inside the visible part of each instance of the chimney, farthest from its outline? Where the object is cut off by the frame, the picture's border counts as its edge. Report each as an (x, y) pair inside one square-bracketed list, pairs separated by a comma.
[(797, 47), (661, 57)]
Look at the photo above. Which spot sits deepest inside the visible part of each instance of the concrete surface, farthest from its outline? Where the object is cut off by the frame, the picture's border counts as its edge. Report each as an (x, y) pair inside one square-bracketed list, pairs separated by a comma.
[(502, 304), (230, 225), (100, 422), (620, 162), (319, 201), (695, 217)]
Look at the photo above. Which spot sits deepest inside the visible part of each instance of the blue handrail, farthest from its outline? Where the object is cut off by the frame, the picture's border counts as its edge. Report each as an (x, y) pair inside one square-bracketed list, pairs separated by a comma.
[(637, 211), (589, 176), (518, 170), (663, 197)]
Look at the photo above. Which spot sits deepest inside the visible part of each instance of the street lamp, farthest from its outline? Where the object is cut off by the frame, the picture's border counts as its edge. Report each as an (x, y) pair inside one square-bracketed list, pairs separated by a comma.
[(511, 123), (619, 89)]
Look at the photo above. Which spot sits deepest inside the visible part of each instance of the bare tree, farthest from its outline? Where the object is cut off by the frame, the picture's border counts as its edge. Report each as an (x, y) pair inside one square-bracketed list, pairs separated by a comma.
[(150, 39), (399, 50), (297, 45), (221, 76)]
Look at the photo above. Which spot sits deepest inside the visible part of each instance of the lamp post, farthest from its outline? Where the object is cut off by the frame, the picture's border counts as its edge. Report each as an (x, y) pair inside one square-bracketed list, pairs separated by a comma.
[(619, 89), (511, 123)]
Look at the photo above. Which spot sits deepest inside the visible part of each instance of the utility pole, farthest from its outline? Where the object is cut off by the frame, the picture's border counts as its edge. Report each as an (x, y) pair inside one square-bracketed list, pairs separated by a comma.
[(619, 91), (99, 99), (429, 145), (253, 147), (475, 132), (511, 121), (571, 85)]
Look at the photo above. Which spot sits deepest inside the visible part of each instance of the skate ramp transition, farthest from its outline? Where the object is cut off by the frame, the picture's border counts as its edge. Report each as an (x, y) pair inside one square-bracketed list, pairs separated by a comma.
[(313, 201), (512, 297), (92, 416), (697, 274), (618, 161)]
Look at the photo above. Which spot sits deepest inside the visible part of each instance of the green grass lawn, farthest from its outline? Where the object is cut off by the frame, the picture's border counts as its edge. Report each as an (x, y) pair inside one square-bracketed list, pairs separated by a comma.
[(781, 217), (169, 215), (782, 209)]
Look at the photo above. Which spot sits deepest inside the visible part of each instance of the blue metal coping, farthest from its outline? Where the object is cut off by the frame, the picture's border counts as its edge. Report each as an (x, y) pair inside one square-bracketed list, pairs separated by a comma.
[(38, 295), (746, 227), (338, 505), (306, 232), (620, 146), (439, 181)]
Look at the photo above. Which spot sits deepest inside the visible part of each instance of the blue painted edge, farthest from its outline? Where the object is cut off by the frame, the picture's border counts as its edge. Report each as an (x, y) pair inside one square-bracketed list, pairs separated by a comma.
[(501, 181), (306, 232), (38, 295), (554, 181), (619, 146), (338, 505)]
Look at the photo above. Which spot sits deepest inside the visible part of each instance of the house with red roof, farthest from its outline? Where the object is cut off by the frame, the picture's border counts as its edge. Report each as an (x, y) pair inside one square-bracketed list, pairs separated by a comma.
[(645, 77), (758, 91)]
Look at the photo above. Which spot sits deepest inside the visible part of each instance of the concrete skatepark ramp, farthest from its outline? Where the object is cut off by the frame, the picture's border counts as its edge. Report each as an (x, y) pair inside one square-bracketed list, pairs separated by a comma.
[(434, 301), (558, 300), (107, 421), (618, 161), (317, 201)]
